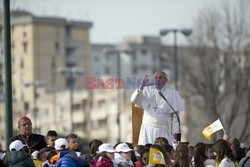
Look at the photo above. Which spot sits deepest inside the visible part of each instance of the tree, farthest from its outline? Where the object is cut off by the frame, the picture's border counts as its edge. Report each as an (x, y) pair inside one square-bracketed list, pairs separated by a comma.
[(218, 70)]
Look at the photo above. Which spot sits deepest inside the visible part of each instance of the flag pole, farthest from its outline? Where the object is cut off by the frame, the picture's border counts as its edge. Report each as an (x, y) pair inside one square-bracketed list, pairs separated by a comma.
[(223, 127)]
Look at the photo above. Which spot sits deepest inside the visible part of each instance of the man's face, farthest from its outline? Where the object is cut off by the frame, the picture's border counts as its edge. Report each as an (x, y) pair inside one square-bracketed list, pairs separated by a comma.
[(73, 143), (51, 141), (25, 127), (160, 80)]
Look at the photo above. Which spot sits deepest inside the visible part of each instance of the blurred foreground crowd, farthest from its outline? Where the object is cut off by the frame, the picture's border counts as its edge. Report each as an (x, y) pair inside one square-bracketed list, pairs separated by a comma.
[(29, 150)]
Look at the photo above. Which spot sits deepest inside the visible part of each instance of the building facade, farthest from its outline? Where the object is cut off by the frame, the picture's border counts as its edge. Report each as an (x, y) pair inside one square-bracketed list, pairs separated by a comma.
[(41, 46)]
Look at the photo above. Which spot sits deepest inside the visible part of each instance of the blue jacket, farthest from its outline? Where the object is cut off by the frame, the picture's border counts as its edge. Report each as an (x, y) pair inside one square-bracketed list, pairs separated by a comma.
[(68, 158)]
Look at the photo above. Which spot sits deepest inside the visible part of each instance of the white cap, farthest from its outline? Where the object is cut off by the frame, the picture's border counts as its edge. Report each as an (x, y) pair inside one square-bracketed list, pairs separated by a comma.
[(243, 145), (34, 154), (123, 147), (17, 145), (106, 147), (60, 142)]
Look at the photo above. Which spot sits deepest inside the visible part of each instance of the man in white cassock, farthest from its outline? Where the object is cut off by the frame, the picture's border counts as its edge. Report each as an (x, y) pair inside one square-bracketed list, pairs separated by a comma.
[(159, 119)]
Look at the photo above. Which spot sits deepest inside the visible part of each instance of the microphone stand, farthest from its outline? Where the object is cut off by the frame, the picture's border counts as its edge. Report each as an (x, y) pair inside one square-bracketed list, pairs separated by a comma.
[(178, 118)]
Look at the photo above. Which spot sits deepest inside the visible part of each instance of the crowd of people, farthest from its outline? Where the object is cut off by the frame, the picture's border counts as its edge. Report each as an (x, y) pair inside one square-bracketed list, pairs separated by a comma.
[(29, 150)]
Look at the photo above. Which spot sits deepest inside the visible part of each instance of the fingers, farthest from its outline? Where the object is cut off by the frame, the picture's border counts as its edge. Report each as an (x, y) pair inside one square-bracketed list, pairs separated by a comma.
[(145, 76), (145, 80)]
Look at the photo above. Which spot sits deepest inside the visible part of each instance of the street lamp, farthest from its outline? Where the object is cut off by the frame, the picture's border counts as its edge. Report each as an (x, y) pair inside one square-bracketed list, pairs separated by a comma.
[(118, 63), (185, 32), (117, 52), (71, 74), (35, 85)]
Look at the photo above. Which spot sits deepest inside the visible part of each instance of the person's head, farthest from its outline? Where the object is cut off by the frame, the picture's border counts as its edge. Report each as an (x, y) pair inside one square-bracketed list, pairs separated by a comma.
[(239, 153), (16, 145), (209, 151), (148, 145), (169, 150), (222, 149), (93, 146), (25, 125), (160, 79), (106, 151), (52, 156), (61, 144), (43, 153), (73, 141), (161, 141), (181, 155), (199, 154), (145, 156), (191, 151), (124, 150), (51, 137), (138, 149), (133, 156), (234, 143)]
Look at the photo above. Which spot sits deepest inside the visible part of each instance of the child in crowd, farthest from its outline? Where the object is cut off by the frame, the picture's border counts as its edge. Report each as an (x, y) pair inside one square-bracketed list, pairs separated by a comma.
[(50, 138), (17, 155), (66, 157), (106, 156), (73, 143), (123, 155), (182, 158), (225, 157)]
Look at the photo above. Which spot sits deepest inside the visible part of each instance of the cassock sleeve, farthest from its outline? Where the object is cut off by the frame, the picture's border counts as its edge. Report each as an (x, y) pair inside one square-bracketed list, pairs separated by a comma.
[(139, 99)]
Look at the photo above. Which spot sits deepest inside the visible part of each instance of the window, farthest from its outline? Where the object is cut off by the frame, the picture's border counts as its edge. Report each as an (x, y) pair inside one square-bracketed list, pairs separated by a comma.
[(24, 34), (134, 56), (26, 106), (134, 69), (76, 107), (107, 72), (13, 45), (102, 122), (21, 64), (100, 103), (143, 51), (68, 31), (57, 47), (25, 47), (84, 104)]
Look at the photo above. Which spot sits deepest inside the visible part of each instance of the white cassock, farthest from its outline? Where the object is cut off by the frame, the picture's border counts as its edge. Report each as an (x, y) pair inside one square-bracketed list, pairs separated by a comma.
[(159, 119)]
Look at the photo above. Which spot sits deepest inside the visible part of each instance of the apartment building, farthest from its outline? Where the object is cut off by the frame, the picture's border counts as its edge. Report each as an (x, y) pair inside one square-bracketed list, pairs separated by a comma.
[(47, 52)]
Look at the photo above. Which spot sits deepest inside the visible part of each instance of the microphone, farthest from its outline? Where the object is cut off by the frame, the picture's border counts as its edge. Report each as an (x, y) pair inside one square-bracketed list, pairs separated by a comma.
[(178, 118)]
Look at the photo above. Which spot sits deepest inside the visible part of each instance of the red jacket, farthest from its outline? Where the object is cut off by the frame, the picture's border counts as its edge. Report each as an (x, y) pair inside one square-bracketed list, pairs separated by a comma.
[(102, 162), (139, 164)]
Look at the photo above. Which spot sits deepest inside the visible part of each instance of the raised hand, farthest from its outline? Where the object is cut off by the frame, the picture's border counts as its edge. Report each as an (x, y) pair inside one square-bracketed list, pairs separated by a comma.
[(144, 82)]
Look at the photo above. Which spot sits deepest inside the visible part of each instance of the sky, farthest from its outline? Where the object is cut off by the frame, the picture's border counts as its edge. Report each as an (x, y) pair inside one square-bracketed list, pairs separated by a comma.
[(115, 19)]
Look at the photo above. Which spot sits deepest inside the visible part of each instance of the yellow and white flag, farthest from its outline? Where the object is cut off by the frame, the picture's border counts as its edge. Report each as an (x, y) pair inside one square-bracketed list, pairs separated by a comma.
[(156, 156), (214, 127)]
